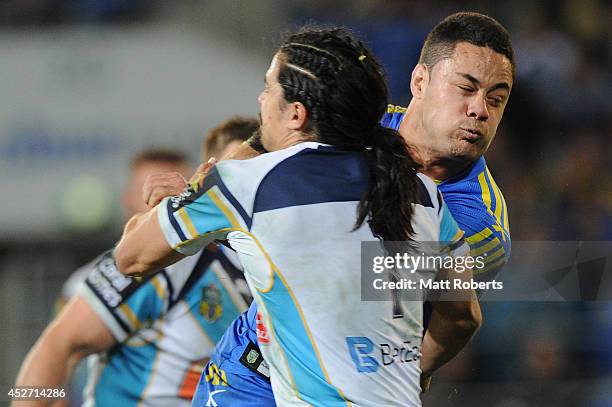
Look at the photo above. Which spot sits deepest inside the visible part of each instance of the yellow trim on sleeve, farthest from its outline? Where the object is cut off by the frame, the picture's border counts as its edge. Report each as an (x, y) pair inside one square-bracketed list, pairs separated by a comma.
[(498, 201), (480, 236), (486, 193), (182, 213), (500, 252), (486, 247), (226, 211), (506, 223), (457, 235), (500, 230)]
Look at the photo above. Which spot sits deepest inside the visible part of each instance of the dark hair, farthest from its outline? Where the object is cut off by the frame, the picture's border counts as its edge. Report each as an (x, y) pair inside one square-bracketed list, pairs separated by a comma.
[(473, 28), (236, 128), (159, 154), (342, 86)]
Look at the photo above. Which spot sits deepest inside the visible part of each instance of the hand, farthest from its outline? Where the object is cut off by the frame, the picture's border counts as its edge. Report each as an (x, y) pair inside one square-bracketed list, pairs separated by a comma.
[(202, 170), (159, 186)]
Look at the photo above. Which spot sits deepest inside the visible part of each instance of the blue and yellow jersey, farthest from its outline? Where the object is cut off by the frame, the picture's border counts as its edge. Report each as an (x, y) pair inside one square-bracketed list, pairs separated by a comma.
[(478, 206), (166, 326)]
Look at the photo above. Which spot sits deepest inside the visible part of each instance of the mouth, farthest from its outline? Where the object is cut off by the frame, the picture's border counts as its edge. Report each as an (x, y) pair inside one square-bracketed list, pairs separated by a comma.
[(470, 135)]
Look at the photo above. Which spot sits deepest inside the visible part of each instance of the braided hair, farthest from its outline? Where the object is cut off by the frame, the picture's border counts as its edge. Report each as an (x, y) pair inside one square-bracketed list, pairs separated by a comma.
[(342, 86)]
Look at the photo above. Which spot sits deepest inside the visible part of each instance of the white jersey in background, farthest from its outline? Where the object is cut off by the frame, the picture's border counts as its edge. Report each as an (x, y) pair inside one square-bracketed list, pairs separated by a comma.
[(166, 326)]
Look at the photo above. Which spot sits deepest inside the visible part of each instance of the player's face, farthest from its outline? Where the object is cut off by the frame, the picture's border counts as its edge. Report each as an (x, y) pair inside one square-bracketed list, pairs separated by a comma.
[(465, 100), (272, 115), (132, 195)]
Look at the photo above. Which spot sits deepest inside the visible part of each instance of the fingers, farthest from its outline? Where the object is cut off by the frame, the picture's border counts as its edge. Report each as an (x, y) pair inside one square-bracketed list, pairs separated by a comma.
[(203, 169), (159, 186)]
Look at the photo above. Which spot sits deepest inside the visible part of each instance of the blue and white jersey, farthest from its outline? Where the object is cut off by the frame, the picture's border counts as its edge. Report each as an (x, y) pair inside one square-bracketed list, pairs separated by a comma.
[(166, 326), (290, 215)]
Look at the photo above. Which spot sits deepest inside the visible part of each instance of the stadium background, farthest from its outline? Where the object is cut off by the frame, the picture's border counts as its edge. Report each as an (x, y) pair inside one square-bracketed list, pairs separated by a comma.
[(85, 83)]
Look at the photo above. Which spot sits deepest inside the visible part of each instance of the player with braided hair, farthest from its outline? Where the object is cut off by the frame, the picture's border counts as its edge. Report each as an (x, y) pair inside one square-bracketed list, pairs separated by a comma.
[(237, 374), (460, 42), (292, 222)]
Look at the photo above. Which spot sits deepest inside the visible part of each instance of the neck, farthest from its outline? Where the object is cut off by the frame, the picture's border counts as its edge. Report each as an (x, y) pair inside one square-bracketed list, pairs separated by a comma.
[(431, 161), (441, 169), (294, 138)]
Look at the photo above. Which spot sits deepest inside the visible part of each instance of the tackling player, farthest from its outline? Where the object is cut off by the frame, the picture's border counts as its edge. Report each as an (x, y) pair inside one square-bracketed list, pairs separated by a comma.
[(150, 338), (293, 222), (461, 87)]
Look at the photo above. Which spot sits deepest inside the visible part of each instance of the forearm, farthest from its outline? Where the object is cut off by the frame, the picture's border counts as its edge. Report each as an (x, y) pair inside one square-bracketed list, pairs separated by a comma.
[(446, 337), (133, 256), (133, 223), (49, 364)]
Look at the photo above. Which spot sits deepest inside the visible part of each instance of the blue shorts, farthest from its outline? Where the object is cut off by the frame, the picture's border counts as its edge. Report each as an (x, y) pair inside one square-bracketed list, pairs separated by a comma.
[(219, 388)]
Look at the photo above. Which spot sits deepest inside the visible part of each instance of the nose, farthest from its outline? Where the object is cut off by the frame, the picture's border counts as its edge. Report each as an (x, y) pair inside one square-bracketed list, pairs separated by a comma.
[(260, 97), (477, 108)]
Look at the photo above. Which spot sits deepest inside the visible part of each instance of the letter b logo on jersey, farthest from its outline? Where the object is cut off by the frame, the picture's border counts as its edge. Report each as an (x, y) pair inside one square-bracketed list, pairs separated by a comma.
[(360, 348)]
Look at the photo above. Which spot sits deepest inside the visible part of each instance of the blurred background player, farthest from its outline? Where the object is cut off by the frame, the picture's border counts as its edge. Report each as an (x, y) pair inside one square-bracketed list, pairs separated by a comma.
[(149, 338)]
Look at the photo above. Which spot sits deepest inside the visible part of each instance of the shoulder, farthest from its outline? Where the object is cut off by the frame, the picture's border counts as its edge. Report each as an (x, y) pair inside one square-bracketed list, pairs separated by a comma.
[(317, 174), (239, 180)]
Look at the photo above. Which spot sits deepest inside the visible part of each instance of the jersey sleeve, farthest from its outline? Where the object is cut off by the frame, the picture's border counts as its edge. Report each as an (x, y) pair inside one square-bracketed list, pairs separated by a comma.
[(124, 304), (208, 210), (486, 237)]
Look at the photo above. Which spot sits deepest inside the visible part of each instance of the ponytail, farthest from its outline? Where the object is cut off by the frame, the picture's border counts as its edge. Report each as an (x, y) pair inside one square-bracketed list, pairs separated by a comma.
[(393, 187)]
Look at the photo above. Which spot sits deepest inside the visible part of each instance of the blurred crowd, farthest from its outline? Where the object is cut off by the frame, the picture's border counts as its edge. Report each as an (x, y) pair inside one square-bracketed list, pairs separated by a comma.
[(551, 158)]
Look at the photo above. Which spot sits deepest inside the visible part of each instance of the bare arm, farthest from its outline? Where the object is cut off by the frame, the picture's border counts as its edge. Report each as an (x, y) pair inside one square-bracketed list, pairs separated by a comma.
[(135, 258), (450, 328), (452, 325), (75, 333)]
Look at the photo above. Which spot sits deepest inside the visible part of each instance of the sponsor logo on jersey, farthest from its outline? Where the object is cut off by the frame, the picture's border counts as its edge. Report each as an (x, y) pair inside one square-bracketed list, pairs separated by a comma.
[(262, 331), (211, 305), (364, 353), (183, 198)]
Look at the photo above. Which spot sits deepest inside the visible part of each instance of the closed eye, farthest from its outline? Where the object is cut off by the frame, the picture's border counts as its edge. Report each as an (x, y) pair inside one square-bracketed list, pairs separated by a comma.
[(495, 101)]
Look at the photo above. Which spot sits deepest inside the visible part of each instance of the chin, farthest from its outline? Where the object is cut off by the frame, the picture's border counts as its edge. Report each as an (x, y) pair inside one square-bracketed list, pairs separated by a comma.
[(467, 154)]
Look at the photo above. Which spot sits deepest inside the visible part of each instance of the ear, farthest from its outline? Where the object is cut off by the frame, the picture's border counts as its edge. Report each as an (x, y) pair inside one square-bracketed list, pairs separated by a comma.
[(419, 81), (297, 115)]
